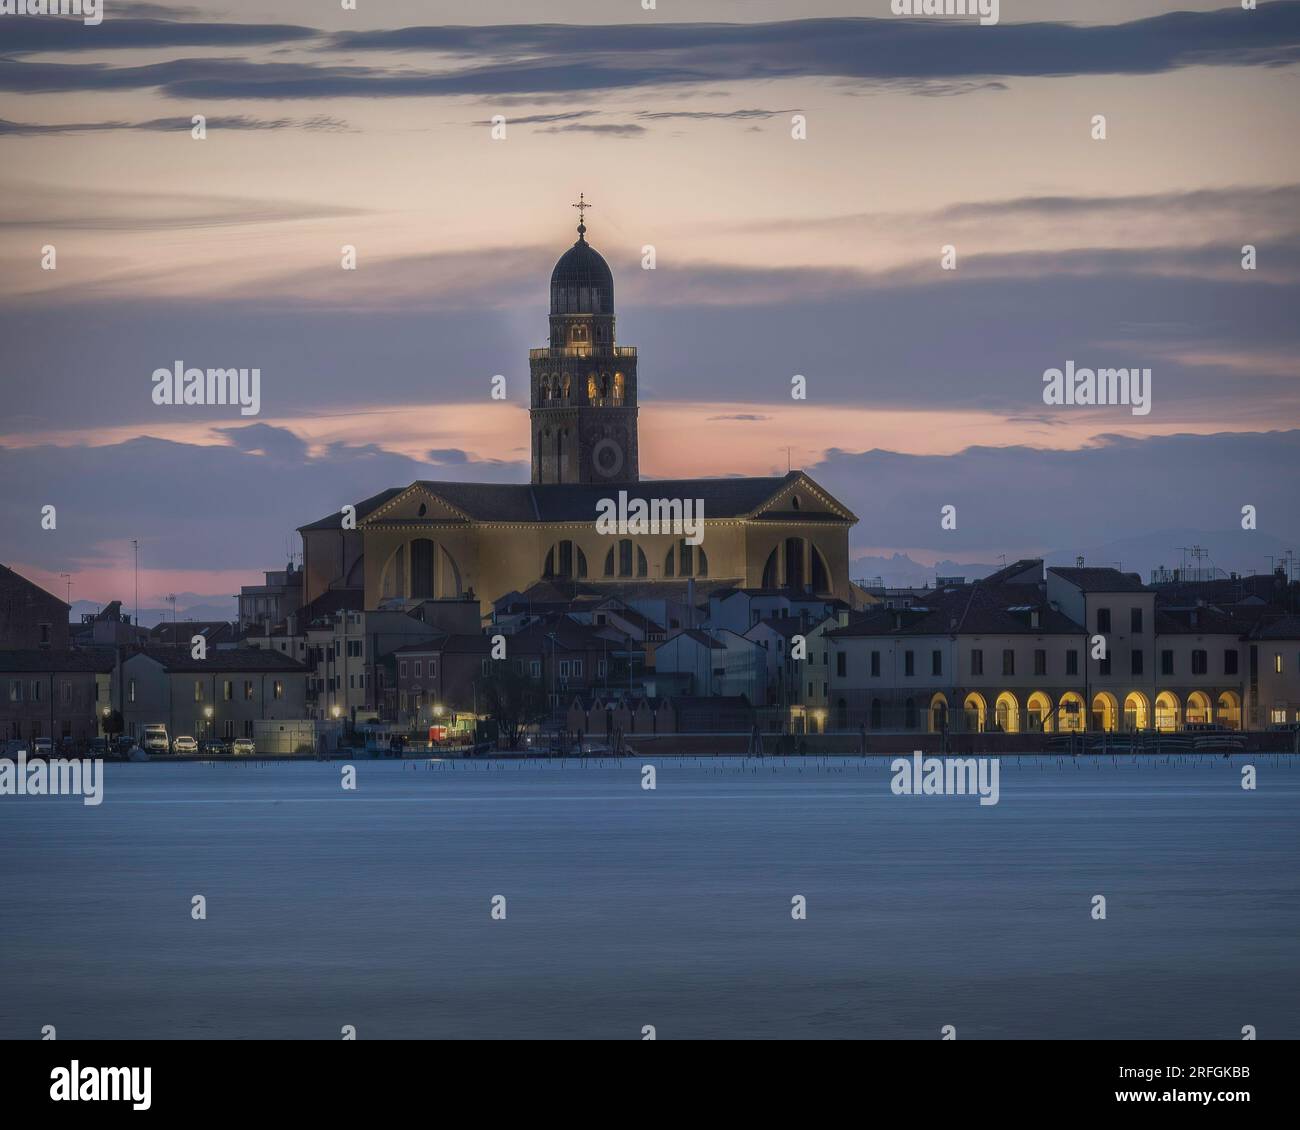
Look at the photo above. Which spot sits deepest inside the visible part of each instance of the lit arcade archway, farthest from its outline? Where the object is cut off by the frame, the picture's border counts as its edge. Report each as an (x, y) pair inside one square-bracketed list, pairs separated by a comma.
[(1007, 711)]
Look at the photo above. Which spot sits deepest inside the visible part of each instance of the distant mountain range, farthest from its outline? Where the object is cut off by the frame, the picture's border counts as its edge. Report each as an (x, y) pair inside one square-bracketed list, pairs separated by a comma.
[(1240, 551)]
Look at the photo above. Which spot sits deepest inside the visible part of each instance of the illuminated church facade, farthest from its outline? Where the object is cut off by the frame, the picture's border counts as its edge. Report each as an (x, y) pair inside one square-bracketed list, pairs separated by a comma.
[(439, 540)]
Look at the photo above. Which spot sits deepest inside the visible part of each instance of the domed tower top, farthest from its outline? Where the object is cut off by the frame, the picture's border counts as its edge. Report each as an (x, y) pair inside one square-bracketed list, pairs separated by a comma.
[(582, 282)]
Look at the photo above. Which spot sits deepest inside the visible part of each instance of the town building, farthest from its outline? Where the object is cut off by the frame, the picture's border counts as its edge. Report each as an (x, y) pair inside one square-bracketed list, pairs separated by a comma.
[(220, 696), (1065, 650), (273, 601), (30, 617), (54, 694)]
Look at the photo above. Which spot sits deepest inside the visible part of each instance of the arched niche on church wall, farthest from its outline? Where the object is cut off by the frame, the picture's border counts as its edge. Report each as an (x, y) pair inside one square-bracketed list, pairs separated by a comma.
[(420, 568)]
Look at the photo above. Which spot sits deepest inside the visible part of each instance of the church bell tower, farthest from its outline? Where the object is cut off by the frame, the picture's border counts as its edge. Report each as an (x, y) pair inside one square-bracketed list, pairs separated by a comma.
[(583, 406)]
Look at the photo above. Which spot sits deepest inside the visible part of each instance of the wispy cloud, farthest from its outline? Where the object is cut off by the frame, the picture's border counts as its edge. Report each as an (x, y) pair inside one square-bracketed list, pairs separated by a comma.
[(320, 122), (546, 59)]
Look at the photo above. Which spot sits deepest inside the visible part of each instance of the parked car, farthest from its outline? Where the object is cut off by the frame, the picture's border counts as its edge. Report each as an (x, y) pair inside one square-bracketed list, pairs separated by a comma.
[(155, 739), (243, 747), (185, 744), (42, 747), (97, 747), (213, 747)]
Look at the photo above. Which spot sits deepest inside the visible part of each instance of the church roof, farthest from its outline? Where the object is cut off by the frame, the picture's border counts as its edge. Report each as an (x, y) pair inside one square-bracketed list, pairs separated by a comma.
[(576, 502)]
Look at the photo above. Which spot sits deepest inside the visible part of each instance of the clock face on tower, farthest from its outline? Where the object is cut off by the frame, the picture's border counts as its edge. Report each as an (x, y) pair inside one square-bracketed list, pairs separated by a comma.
[(607, 458)]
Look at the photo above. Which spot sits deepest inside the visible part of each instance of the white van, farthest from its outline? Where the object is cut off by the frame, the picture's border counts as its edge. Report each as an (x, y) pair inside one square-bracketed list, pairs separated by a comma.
[(155, 739)]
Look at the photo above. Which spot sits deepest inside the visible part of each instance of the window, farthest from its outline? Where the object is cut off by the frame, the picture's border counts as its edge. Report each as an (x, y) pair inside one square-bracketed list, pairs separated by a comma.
[(16, 690), (1230, 661), (45, 634), (354, 649), (564, 668), (227, 690), (1136, 661), (228, 728), (36, 691), (419, 669), (1277, 714), (976, 661), (1103, 619), (248, 690), (1072, 662), (1277, 667), (401, 669), (198, 690), (65, 690), (577, 668), (936, 663), (130, 691), (487, 667), (1040, 661), (1103, 664), (1166, 662), (278, 688), (841, 664), (1008, 661), (909, 663), (1200, 662), (1135, 621), (535, 668), (875, 665)]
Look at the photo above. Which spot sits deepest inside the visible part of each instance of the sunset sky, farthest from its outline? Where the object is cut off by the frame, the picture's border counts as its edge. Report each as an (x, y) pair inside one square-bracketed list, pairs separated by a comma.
[(774, 256)]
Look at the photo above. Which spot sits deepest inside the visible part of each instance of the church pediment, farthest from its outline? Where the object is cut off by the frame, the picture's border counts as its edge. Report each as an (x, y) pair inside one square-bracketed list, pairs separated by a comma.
[(417, 503), (801, 498)]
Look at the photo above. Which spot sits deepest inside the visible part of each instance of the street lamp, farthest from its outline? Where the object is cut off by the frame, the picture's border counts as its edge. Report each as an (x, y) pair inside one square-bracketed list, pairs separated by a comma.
[(207, 713)]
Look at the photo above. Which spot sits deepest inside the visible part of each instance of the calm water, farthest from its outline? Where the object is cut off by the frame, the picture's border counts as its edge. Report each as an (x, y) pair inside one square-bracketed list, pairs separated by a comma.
[(671, 908)]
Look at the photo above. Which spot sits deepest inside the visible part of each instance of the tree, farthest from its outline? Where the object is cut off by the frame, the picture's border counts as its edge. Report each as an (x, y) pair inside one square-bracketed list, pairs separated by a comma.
[(512, 700)]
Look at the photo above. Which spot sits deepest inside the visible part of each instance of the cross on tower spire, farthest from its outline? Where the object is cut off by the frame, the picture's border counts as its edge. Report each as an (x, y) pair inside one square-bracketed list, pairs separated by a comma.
[(582, 206)]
